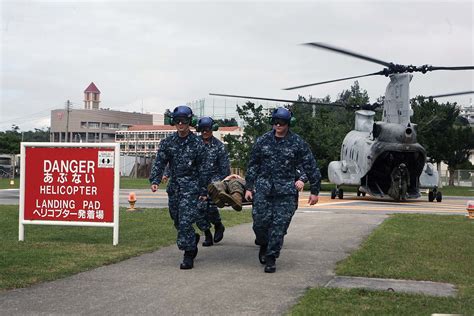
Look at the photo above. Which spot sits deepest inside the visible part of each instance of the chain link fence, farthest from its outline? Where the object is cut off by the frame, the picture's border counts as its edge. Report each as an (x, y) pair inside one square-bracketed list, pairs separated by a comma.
[(462, 178)]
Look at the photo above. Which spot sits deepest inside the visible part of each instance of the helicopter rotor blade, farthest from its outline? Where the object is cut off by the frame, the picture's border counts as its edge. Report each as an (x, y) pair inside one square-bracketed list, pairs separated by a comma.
[(448, 94), (272, 99), (451, 68), (349, 53), (335, 80)]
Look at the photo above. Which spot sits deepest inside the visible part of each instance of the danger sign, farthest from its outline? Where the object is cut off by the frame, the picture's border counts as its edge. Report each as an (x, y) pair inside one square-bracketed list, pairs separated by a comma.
[(72, 184)]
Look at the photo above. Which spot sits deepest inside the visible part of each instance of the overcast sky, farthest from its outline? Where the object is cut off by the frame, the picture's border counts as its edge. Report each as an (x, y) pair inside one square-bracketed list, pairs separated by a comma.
[(150, 55)]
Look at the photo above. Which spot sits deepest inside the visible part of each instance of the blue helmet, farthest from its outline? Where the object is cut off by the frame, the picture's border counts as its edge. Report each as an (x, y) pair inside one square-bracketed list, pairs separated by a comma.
[(182, 111), (206, 121), (282, 113)]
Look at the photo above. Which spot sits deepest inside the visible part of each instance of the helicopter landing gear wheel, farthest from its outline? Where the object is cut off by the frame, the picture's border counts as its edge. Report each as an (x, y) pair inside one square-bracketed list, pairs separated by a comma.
[(431, 196), (363, 193), (333, 193), (359, 193), (439, 196), (340, 194)]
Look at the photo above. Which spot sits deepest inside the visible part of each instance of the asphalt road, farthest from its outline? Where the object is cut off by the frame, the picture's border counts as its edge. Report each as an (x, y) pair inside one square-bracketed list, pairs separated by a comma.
[(350, 204)]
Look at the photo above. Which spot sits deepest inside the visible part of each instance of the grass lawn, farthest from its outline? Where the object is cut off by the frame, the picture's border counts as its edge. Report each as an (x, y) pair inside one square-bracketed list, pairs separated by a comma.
[(52, 252), (417, 247), (5, 183)]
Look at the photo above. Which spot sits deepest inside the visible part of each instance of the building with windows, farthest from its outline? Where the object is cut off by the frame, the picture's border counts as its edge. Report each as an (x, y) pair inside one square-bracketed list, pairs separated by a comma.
[(92, 124), (139, 144), (143, 140)]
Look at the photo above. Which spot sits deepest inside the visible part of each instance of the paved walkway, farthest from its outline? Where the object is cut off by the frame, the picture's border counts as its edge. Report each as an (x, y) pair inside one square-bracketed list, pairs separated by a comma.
[(227, 278)]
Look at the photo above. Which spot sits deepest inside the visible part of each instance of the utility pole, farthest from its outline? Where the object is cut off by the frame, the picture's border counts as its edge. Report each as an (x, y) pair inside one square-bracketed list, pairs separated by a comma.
[(68, 104)]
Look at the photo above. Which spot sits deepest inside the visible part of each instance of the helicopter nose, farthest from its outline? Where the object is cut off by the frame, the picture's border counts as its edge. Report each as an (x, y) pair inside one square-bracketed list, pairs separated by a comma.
[(409, 135)]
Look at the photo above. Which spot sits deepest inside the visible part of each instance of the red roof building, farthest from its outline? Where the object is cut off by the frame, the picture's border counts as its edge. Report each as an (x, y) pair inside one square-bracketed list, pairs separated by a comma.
[(91, 97)]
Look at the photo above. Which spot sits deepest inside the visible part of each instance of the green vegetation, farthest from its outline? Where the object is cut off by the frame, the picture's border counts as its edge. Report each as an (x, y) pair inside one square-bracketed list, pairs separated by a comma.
[(52, 252), (457, 191), (5, 183), (445, 135), (418, 247), (10, 140), (134, 183)]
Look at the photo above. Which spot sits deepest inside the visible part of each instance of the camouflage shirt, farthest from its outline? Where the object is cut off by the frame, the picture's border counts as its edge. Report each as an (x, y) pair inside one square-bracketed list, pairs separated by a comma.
[(218, 160), (273, 165), (185, 157)]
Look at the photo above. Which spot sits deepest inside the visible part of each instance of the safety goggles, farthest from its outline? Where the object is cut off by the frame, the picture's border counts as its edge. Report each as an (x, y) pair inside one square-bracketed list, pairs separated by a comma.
[(279, 122), (182, 120), (205, 129)]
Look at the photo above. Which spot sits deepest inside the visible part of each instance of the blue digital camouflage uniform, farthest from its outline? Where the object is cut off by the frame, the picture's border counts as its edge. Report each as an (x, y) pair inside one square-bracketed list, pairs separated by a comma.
[(271, 175), (218, 168), (188, 173)]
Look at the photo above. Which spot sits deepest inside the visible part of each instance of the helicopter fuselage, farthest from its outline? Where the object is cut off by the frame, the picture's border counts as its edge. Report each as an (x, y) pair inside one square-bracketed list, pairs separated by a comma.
[(384, 158)]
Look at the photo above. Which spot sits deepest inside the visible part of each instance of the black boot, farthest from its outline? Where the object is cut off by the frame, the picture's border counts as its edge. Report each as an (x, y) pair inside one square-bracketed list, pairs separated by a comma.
[(270, 265), (195, 251), (188, 260), (208, 241), (262, 254), (218, 232)]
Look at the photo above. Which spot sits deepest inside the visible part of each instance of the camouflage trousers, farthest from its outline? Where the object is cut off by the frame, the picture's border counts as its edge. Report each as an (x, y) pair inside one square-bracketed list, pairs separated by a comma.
[(184, 212), (271, 218), (229, 192), (208, 214), (231, 186)]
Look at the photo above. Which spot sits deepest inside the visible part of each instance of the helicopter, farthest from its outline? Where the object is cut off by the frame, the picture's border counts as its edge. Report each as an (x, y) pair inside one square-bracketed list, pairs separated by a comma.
[(382, 158)]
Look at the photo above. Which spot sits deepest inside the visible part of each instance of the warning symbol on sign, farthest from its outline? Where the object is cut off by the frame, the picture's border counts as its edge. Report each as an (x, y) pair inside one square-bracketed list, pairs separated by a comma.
[(105, 159)]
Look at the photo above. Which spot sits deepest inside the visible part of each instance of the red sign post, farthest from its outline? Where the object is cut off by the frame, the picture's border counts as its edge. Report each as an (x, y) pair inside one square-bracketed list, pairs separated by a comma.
[(69, 184)]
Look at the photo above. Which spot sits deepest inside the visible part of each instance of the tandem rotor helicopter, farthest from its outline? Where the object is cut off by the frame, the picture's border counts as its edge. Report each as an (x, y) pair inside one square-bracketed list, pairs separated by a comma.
[(382, 158)]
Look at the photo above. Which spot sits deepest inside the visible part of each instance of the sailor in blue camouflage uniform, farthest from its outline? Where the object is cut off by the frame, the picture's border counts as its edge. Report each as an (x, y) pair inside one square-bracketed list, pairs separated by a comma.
[(270, 182), (184, 153), (219, 168)]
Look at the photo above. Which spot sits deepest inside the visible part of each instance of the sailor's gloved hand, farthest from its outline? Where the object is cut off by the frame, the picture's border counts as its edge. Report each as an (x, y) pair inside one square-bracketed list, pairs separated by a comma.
[(203, 198), (164, 179), (154, 187)]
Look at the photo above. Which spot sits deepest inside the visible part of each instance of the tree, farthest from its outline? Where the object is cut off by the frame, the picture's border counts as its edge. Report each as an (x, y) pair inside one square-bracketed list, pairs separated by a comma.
[(459, 148), (227, 122), (443, 135), (38, 135), (353, 98), (324, 132), (256, 124), (10, 140)]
